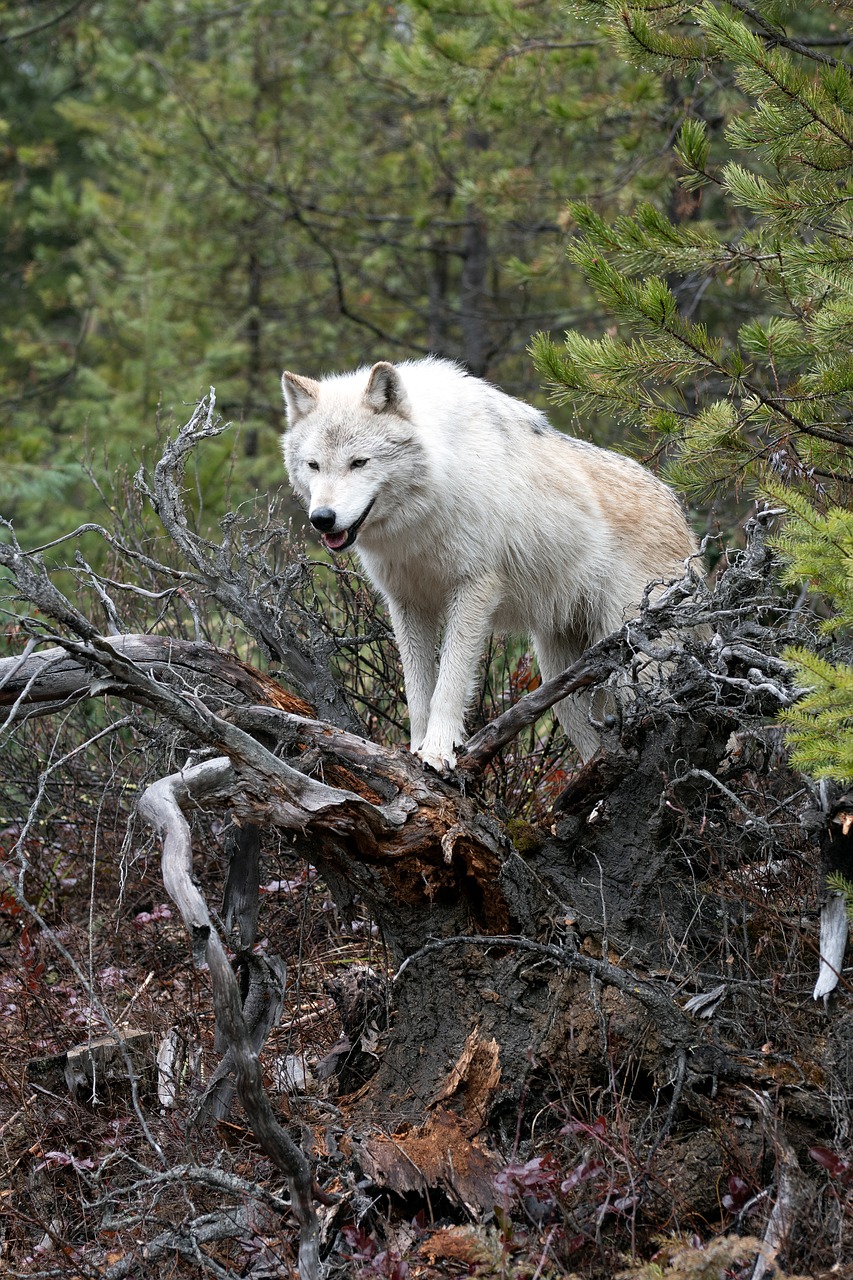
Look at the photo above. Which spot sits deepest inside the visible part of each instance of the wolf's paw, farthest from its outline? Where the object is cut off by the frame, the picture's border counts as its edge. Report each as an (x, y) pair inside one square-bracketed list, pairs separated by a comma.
[(438, 757)]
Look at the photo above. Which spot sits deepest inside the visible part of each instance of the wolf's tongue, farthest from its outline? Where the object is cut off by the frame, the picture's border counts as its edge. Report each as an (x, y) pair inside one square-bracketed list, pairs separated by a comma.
[(335, 540)]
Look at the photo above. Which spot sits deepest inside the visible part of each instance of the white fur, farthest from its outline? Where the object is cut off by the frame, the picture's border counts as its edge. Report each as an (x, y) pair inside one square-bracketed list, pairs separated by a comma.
[(483, 518)]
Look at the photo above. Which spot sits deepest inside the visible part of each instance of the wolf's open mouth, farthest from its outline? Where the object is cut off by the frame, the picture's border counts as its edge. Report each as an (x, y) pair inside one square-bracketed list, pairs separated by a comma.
[(346, 537)]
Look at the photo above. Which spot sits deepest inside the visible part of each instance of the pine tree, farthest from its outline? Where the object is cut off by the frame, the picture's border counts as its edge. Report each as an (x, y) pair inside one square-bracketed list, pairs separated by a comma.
[(731, 351)]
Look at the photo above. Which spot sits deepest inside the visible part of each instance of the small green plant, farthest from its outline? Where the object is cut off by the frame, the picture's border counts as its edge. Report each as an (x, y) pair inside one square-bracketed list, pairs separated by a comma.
[(838, 883)]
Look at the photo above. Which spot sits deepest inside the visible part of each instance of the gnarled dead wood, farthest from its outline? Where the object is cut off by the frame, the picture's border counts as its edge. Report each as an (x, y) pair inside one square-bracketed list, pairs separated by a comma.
[(308, 664), (569, 954), (54, 676), (162, 805)]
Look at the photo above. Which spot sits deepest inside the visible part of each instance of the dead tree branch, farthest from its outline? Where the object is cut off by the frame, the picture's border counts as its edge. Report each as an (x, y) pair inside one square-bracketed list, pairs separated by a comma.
[(662, 633), (42, 679), (161, 805), (502, 937), (307, 664)]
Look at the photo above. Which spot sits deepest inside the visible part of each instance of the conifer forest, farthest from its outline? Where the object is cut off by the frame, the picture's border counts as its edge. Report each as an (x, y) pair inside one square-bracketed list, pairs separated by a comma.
[(278, 999)]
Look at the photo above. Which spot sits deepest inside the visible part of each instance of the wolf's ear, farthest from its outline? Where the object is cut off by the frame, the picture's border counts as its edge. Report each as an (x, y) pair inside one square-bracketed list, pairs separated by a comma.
[(385, 391), (300, 395)]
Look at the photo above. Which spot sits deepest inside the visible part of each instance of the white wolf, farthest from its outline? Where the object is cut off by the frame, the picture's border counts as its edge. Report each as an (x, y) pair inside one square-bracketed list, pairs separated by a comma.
[(471, 514)]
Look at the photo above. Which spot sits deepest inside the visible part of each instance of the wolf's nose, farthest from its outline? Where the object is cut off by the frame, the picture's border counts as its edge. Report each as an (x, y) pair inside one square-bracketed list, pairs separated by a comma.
[(323, 519)]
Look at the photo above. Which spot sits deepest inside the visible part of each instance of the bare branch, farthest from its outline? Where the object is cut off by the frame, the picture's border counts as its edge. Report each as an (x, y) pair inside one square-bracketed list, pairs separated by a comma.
[(42, 26), (307, 664), (595, 666), (161, 804), (55, 674)]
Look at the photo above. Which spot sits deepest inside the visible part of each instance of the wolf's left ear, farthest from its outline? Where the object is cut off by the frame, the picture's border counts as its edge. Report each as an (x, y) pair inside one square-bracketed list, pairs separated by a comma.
[(300, 395), (385, 391)]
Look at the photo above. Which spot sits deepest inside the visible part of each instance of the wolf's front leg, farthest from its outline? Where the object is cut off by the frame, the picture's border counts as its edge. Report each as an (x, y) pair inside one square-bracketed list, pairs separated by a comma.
[(467, 626), (416, 634)]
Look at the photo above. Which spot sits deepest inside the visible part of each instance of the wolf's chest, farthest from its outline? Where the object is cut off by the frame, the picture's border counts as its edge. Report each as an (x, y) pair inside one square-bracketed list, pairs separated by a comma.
[(422, 581)]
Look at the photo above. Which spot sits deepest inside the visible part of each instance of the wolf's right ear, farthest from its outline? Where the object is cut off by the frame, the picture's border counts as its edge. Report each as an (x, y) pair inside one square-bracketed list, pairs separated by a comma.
[(300, 396)]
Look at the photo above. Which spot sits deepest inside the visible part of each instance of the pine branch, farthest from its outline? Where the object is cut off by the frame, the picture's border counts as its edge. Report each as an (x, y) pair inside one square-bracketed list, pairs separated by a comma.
[(776, 36)]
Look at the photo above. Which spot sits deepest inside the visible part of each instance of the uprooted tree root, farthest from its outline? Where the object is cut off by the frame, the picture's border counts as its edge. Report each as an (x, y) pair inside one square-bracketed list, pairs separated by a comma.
[(576, 1039)]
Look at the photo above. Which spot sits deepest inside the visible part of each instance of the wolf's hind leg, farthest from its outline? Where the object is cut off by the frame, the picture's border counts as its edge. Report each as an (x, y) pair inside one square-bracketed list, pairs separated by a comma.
[(555, 654)]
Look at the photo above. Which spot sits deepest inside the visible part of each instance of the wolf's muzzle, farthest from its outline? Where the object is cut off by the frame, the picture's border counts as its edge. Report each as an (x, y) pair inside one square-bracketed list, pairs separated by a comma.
[(324, 519)]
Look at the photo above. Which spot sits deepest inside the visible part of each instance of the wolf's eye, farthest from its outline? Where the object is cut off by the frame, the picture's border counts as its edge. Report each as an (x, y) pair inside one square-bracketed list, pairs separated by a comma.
[(313, 466), (358, 462)]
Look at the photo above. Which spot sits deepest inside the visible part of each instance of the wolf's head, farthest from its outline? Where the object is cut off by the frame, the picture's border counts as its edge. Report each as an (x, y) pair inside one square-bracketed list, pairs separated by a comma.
[(347, 437)]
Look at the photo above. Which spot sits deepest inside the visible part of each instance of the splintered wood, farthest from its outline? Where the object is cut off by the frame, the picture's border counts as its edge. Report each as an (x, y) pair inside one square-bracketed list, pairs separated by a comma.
[(446, 1152)]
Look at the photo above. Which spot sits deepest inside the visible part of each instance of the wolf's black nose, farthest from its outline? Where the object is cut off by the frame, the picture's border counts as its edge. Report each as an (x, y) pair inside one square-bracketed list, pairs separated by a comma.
[(323, 519)]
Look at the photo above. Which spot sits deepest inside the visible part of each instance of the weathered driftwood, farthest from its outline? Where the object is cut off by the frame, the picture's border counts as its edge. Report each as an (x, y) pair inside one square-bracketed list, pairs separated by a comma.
[(832, 818), (162, 804), (39, 681), (834, 929)]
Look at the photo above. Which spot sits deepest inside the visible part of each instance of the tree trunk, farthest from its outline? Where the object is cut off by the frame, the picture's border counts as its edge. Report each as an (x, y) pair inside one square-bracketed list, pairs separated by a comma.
[(472, 294)]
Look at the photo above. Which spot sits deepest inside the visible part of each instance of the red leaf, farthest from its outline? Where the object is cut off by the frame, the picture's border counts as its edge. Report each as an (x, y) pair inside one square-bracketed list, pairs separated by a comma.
[(830, 1160)]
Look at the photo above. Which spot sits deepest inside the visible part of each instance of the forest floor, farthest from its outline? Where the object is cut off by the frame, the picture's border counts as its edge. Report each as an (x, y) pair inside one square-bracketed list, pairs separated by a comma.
[(597, 1183)]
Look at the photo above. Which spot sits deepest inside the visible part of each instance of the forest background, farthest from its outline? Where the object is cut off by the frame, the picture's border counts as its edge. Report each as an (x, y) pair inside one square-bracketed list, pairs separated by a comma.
[(197, 196), (636, 216)]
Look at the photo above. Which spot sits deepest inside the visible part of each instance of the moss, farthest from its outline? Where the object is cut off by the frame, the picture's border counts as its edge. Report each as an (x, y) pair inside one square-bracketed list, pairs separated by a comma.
[(525, 837)]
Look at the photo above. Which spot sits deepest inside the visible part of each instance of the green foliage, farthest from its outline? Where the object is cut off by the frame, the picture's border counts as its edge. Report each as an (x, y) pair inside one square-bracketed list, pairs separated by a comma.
[(817, 548), (820, 725), (773, 392), (840, 884), (693, 148), (731, 335)]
